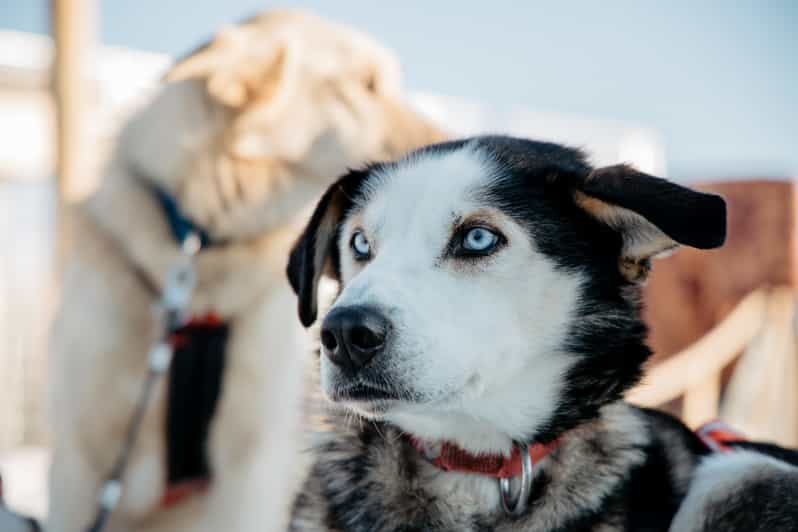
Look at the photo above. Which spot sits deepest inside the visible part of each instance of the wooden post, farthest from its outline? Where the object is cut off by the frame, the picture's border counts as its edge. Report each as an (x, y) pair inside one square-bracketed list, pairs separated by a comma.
[(697, 367), (761, 398), (74, 28), (701, 402)]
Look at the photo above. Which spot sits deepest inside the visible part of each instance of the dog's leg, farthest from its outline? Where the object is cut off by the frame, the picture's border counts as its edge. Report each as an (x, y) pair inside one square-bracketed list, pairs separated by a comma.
[(255, 449), (73, 491)]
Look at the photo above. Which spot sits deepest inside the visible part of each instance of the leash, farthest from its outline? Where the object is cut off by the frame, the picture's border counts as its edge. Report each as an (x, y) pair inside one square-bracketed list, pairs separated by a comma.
[(171, 310)]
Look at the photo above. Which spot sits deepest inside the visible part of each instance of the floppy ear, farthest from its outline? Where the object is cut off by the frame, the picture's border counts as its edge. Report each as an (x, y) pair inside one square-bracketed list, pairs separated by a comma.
[(239, 66), (315, 251), (651, 214)]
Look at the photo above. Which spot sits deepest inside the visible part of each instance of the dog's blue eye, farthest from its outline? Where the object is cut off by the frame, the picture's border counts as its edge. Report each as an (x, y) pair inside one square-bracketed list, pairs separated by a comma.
[(480, 239), (360, 245)]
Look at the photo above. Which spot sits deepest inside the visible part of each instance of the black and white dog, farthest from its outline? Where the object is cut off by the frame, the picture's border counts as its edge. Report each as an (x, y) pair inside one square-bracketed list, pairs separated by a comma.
[(487, 327)]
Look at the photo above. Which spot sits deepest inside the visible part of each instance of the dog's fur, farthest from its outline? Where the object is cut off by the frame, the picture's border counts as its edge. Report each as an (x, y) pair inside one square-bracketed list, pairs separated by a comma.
[(247, 131), (534, 341)]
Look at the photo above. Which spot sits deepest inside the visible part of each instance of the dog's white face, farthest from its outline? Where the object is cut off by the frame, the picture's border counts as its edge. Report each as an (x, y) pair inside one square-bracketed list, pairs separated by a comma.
[(475, 277), (473, 330)]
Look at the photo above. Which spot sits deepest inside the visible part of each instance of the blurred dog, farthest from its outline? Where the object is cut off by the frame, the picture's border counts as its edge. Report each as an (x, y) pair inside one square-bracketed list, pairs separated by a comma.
[(247, 130), (488, 325)]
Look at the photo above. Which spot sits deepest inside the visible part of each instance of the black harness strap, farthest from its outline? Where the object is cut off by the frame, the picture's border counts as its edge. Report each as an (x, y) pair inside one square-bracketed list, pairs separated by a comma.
[(195, 374), (195, 384)]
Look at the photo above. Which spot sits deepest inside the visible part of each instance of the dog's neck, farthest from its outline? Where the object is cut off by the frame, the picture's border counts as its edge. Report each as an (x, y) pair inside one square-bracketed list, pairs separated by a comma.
[(589, 463), (230, 277)]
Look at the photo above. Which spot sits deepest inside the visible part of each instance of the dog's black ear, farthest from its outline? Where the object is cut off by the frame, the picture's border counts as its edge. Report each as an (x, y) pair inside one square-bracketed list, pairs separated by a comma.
[(653, 215), (315, 251)]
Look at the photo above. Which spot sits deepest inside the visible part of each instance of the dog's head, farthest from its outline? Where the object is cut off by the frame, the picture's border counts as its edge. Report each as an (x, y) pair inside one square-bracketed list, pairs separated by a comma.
[(489, 287), (253, 124)]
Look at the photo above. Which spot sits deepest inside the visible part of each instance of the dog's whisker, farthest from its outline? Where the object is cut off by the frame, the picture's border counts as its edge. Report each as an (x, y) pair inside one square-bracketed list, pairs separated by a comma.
[(377, 429)]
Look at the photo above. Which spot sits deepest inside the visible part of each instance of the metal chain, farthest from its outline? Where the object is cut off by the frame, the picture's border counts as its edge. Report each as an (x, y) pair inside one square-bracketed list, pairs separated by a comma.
[(172, 311)]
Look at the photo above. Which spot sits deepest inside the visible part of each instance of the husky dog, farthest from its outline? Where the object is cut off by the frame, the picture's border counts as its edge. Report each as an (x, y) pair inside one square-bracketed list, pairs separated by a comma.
[(247, 133), (487, 326)]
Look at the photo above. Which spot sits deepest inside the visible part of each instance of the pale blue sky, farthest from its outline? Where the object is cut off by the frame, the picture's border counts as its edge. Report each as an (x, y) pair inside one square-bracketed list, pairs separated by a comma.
[(718, 79)]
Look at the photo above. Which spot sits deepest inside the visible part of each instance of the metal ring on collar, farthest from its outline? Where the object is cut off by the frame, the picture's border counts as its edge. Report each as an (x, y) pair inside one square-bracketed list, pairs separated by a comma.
[(517, 505)]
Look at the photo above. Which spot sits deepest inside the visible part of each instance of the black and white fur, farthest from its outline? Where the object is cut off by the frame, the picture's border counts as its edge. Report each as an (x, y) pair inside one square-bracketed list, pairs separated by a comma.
[(538, 339)]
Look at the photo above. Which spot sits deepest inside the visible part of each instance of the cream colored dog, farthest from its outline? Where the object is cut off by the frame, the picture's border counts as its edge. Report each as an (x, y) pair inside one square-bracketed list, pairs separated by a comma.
[(246, 131)]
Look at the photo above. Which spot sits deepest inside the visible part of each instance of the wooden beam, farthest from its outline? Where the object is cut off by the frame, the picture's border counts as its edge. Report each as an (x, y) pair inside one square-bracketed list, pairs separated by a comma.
[(701, 402), (761, 399), (74, 28), (695, 367)]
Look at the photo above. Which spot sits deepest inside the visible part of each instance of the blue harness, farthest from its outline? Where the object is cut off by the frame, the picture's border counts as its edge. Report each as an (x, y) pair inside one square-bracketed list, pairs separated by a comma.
[(180, 225)]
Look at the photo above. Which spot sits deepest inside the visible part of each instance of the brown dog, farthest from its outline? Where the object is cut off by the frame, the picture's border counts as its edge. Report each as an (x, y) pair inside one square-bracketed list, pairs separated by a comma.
[(247, 131)]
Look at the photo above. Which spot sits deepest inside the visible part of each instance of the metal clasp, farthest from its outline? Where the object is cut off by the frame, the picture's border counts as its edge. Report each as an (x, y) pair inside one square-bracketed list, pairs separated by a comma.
[(516, 504)]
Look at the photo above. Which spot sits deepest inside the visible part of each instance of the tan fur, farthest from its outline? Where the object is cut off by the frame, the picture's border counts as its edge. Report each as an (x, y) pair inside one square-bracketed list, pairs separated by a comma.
[(247, 131), (642, 239)]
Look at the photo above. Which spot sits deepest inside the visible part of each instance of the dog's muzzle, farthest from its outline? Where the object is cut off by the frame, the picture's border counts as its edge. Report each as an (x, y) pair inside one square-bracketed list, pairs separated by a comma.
[(351, 337)]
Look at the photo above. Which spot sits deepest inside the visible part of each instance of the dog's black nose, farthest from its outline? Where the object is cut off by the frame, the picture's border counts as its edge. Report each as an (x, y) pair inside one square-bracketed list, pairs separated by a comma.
[(352, 336)]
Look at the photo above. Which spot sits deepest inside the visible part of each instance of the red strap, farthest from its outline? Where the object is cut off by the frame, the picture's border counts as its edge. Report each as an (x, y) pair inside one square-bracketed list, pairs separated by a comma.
[(211, 319), (716, 434), (453, 458), (179, 337), (177, 493), (450, 457)]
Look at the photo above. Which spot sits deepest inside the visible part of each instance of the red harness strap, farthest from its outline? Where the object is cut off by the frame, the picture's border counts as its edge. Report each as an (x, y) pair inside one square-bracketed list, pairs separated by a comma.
[(450, 457), (174, 494), (178, 338)]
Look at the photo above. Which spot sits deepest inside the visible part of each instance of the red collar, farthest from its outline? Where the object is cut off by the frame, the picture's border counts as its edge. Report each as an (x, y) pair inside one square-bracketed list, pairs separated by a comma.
[(450, 457)]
